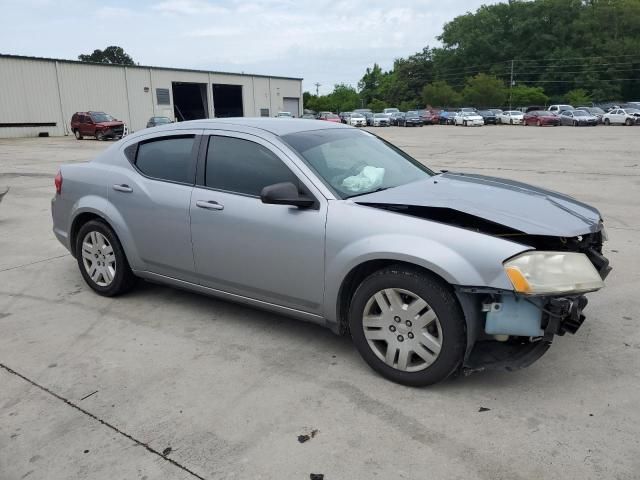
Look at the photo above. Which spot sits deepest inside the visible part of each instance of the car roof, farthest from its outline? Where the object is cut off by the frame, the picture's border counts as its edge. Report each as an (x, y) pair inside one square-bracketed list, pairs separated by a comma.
[(276, 126)]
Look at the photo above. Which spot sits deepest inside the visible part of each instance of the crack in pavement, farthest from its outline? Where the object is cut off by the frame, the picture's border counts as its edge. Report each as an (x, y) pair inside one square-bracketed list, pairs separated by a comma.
[(103, 422), (33, 263)]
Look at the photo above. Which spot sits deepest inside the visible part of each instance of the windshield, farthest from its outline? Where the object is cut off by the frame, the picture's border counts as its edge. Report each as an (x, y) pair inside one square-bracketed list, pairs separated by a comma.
[(412, 113), (632, 110), (332, 115), (380, 115), (514, 112), (391, 110), (160, 120), (355, 162), (579, 113), (101, 117), (356, 115), (485, 112)]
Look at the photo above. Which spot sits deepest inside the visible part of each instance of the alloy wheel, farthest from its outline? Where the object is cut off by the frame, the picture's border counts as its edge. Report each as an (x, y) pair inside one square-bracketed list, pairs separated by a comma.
[(98, 258), (402, 329)]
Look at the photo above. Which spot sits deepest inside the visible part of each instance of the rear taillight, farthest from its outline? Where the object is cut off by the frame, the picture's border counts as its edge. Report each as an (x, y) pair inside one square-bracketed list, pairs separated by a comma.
[(58, 182)]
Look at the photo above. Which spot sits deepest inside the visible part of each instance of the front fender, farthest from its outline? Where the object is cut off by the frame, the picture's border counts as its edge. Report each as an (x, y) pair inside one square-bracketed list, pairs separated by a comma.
[(357, 234)]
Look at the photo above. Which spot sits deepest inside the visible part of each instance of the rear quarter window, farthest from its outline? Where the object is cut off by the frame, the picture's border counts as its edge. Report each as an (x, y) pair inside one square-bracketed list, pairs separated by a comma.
[(168, 159)]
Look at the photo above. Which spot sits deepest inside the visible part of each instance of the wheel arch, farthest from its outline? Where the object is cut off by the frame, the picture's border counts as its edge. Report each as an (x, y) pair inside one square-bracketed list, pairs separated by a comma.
[(356, 276), (97, 208)]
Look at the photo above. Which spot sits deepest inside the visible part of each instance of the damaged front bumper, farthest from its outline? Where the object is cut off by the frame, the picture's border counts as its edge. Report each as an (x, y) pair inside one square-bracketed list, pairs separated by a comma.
[(556, 316)]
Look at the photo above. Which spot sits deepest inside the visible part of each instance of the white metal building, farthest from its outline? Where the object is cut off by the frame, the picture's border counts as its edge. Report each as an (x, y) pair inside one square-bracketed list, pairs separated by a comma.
[(40, 95)]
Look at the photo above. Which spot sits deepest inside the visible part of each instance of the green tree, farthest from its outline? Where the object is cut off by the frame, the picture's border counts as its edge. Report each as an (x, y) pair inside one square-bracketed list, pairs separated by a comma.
[(344, 98), (112, 54), (369, 84), (377, 105), (578, 96), (440, 94), (484, 91), (522, 95), (407, 105)]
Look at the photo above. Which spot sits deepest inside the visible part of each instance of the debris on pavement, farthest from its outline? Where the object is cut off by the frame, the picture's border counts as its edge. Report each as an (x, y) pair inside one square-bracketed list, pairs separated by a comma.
[(483, 409), (166, 451), (316, 476), (307, 436)]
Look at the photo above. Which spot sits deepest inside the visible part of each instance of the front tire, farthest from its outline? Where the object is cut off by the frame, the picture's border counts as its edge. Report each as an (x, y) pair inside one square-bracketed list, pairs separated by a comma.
[(628, 122), (99, 136), (102, 261), (408, 326), (607, 122)]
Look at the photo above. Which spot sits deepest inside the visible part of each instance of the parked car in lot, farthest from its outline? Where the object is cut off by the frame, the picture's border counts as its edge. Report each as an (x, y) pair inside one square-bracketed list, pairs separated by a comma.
[(467, 110), (488, 117), (284, 115), (540, 118), (577, 118), (557, 109), (389, 111), (435, 117), (96, 124), (426, 117), (469, 119), (330, 117), (380, 120), (309, 116), (344, 117), (368, 117), (357, 120), (396, 118), (622, 116), (510, 117), (474, 273), (155, 121), (595, 111), (410, 119)]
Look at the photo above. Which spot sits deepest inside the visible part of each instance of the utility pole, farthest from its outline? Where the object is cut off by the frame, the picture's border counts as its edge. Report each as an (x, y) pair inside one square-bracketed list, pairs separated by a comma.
[(510, 84), (317, 84)]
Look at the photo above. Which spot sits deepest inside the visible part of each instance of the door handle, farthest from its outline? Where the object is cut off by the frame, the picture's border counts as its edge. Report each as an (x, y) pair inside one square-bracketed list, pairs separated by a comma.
[(123, 188), (209, 205)]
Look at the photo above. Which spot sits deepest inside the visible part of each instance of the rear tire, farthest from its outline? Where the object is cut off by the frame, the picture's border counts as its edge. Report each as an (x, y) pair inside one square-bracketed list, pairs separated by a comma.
[(415, 348), (102, 261), (77, 134)]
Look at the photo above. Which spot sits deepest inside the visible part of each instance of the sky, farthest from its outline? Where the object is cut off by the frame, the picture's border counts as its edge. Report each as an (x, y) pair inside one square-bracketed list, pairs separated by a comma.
[(321, 40)]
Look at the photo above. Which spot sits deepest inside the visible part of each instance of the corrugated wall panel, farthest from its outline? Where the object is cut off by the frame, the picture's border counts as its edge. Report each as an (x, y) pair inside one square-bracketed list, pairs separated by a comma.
[(29, 94), (93, 88), (261, 96), (140, 102)]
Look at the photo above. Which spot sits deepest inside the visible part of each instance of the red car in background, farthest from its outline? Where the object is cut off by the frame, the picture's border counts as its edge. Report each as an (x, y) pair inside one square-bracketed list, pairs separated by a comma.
[(426, 116), (330, 117), (540, 118), (435, 117)]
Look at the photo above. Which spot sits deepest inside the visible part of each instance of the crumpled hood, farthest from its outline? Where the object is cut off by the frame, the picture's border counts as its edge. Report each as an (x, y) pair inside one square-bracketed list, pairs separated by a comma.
[(110, 124), (516, 205)]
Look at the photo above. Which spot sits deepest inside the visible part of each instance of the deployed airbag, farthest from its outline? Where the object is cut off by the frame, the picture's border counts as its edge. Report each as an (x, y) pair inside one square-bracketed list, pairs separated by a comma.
[(369, 178)]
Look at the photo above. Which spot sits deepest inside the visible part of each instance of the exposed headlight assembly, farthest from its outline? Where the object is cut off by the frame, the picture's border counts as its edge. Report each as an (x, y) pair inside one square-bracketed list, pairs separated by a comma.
[(538, 273)]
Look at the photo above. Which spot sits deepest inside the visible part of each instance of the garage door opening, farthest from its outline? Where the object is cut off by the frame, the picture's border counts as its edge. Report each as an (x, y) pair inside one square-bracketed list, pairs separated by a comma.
[(190, 101), (291, 105), (227, 100)]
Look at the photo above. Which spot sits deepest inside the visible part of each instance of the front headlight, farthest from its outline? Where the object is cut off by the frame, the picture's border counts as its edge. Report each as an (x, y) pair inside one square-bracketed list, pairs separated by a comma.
[(537, 273)]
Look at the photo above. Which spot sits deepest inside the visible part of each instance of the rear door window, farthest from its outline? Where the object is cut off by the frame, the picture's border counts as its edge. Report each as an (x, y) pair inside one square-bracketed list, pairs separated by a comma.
[(167, 158), (242, 166)]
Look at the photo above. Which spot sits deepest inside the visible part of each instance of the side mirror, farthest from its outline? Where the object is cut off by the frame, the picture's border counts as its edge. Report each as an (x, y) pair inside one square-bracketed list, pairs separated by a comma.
[(285, 193)]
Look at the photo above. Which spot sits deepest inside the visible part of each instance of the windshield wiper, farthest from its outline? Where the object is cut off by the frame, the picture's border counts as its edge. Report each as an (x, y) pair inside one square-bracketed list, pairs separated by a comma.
[(367, 193)]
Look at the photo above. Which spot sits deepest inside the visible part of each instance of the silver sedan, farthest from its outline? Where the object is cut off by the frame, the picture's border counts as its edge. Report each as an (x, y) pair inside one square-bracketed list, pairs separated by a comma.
[(430, 273)]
